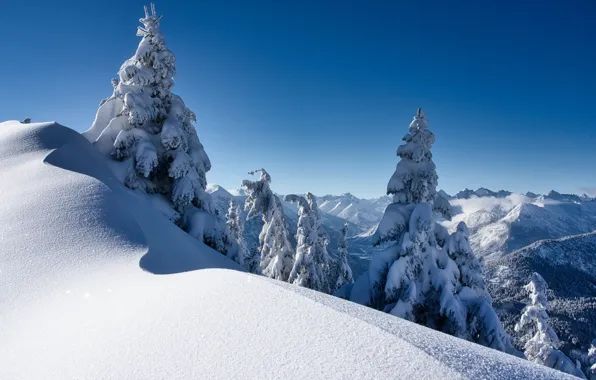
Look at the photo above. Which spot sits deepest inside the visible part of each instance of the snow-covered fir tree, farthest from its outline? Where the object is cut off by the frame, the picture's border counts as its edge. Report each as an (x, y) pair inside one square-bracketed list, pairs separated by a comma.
[(542, 342), (591, 372), (236, 228), (276, 252), (342, 273), (150, 130), (312, 265), (482, 323), (410, 274), (470, 270), (320, 253), (252, 261)]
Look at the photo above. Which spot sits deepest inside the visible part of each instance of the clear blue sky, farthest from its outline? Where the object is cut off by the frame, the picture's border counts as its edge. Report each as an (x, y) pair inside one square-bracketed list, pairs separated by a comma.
[(321, 92)]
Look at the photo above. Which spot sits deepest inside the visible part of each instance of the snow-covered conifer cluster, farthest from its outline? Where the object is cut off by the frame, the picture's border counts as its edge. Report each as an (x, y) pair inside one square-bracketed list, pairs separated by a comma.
[(342, 273), (309, 263), (276, 252), (312, 265), (149, 129)]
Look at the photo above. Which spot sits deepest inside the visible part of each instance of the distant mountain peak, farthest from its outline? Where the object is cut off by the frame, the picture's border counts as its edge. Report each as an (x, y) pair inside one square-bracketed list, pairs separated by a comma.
[(464, 194), (555, 195), (444, 194), (218, 191), (481, 192)]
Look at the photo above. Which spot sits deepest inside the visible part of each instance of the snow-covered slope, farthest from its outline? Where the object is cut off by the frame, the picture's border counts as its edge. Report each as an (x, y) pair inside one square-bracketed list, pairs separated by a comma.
[(569, 266), (97, 284)]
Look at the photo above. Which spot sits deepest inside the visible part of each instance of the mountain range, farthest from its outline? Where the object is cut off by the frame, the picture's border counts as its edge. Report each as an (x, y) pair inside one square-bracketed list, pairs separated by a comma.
[(552, 234)]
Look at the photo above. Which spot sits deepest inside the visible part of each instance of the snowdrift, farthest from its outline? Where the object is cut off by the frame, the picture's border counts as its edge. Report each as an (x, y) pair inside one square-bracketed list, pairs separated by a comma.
[(95, 283)]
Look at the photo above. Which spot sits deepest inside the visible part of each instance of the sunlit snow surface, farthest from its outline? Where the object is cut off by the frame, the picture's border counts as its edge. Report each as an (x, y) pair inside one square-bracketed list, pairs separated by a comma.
[(95, 283)]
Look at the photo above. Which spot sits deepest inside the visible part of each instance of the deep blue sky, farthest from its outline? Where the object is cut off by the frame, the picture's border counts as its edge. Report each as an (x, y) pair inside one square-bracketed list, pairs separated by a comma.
[(321, 92)]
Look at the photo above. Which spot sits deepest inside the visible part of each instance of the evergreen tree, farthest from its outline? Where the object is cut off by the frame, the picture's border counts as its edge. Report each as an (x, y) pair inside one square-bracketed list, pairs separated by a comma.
[(482, 323), (342, 273), (542, 341), (148, 128), (312, 265), (236, 228), (252, 261), (320, 253), (591, 373), (470, 270), (414, 273), (276, 252)]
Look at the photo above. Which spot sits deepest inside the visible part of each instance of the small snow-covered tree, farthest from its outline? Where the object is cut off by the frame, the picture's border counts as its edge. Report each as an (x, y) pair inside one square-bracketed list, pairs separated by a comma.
[(252, 261), (276, 252), (470, 270), (312, 265), (591, 372), (148, 128), (542, 341), (342, 273), (320, 254), (236, 228), (482, 323), (418, 271)]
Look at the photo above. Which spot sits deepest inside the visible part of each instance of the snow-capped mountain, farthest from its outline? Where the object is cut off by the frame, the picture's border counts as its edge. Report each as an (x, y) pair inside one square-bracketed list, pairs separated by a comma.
[(481, 192), (365, 213), (502, 225), (219, 192), (568, 265), (443, 194), (554, 195), (98, 284)]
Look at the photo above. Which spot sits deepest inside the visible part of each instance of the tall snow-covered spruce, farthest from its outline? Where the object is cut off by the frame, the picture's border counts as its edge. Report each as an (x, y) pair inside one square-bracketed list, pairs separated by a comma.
[(149, 129), (413, 274), (312, 265), (342, 273), (542, 342), (277, 254)]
